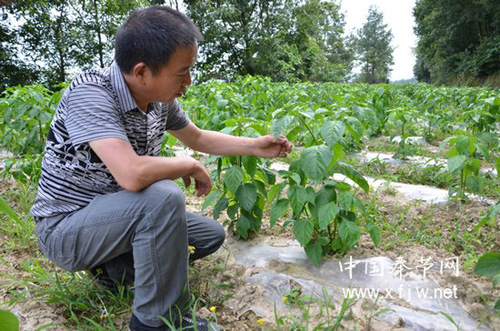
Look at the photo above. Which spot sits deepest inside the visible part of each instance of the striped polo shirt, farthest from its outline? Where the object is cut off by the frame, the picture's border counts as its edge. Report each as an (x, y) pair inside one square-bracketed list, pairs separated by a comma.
[(96, 105)]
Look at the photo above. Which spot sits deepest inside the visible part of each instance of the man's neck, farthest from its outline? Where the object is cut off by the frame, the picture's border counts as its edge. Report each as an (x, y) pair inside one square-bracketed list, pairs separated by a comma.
[(135, 91)]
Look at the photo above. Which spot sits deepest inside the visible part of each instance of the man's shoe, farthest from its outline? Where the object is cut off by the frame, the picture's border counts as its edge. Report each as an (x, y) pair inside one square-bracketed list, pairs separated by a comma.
[(186, 324), (100, 274)]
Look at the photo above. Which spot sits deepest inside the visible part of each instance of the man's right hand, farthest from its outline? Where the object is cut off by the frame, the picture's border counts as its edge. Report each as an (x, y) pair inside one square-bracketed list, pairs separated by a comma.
[(202, 181), (134, 172)]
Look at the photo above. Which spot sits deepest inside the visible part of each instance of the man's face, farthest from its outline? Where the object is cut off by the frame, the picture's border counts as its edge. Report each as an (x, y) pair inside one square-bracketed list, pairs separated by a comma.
[(173, 78)]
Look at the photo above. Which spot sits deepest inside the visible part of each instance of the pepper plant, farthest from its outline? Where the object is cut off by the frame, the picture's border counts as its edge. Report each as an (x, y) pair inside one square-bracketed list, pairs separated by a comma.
[(463, 161), (323, 211), (243, 192), (401, 118)]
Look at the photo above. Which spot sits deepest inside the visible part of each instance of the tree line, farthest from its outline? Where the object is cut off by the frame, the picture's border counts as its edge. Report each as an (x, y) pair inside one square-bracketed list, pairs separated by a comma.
[(458, 41), (287, 40)]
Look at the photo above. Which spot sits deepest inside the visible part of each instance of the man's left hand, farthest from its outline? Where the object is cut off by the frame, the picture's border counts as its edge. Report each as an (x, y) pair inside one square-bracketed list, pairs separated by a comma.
[(270, 147)]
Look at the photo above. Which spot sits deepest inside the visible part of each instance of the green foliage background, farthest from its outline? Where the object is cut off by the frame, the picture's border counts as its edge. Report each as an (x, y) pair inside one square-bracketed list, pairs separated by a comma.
[(459, 41)]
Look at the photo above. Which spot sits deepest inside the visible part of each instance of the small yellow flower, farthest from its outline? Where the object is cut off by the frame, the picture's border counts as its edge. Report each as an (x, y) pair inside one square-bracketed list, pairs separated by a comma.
[(191, 249), (260, 321), (213, 309), (285, 299), (99, 271)]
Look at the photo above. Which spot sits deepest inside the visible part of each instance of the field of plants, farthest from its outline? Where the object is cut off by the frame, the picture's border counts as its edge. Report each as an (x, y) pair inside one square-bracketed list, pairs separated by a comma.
[(390, 191)]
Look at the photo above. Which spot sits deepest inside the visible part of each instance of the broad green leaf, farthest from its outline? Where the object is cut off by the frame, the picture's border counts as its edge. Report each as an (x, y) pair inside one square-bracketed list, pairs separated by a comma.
[(219, 207), (472, 166), (233, 179), (354, 175), (261, 187), (473, 184), (315, 160), (297, 196), (250, 164), (275, 191), (324, 196), (232, 210), (293, 133), (497, 305), (247, 196), (355, 127), (488, 265), (267, 175), (338, 154), (311, 195), (496, 280), (314, 252), (279, 126), (278, 210), (344, 199), (484, 151), (303, 231), (307, 114), (327, 214), (462, 144), (456, 163), (296, 178), (242, 226), (332, 132), (488, 138), (210, 199), (349, 232), (374, 232), (8, 321), (5, 209)]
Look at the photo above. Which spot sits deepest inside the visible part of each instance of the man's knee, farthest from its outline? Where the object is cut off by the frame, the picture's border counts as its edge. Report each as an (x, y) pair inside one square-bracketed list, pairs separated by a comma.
[(219, 235), (165, 192)]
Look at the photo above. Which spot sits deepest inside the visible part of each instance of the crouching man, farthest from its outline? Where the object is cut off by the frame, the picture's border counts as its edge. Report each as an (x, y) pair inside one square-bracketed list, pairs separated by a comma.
[(106, 199)]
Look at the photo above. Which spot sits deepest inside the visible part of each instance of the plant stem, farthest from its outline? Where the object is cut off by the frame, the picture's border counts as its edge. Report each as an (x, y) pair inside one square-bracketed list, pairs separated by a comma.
[(330, 235), (307, 127)]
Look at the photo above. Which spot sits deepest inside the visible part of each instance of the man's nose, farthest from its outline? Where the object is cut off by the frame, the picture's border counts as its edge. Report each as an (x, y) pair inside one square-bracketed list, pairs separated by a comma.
[(188, 80)]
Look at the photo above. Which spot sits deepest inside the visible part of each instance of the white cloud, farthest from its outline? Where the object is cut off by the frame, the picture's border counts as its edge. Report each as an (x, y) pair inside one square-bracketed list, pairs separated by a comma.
[(398, 15)]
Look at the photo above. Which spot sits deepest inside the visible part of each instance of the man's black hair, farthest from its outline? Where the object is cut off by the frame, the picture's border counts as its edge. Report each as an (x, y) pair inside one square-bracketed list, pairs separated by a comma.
[(151, 35)]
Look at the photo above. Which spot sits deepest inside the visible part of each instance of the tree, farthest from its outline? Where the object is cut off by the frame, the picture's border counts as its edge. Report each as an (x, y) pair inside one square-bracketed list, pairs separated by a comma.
[(459, 40), (286, 40), (14, 71), (62, 35), (373, 48)]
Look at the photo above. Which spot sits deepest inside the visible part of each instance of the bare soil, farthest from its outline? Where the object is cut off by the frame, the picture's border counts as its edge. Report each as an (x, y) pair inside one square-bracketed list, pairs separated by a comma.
[(221, 282)]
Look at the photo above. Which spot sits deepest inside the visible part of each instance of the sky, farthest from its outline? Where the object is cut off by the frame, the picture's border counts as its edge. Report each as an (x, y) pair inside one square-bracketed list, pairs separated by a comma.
[(399, 18)]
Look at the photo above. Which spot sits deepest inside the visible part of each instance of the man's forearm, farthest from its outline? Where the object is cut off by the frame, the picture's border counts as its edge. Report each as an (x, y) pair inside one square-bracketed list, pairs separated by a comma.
[(217, 143), (149, 169)]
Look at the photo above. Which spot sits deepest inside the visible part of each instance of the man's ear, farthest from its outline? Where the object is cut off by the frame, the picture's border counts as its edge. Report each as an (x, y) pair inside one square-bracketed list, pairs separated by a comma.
[(141, 73)]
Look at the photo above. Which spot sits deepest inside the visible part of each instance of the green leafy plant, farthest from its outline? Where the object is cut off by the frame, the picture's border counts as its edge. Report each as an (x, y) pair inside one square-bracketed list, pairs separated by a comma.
[(463, 162), (488, 265), (401, 118), (8, 321), (244, 190), (323, 210), (26, 114)]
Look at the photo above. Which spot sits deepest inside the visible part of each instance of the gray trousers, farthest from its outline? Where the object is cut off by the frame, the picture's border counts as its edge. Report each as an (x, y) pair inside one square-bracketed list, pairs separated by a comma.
[(146, 233)]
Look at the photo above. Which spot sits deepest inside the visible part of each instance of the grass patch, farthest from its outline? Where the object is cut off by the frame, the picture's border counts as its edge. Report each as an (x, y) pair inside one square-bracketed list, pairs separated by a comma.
[(447, 227)]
